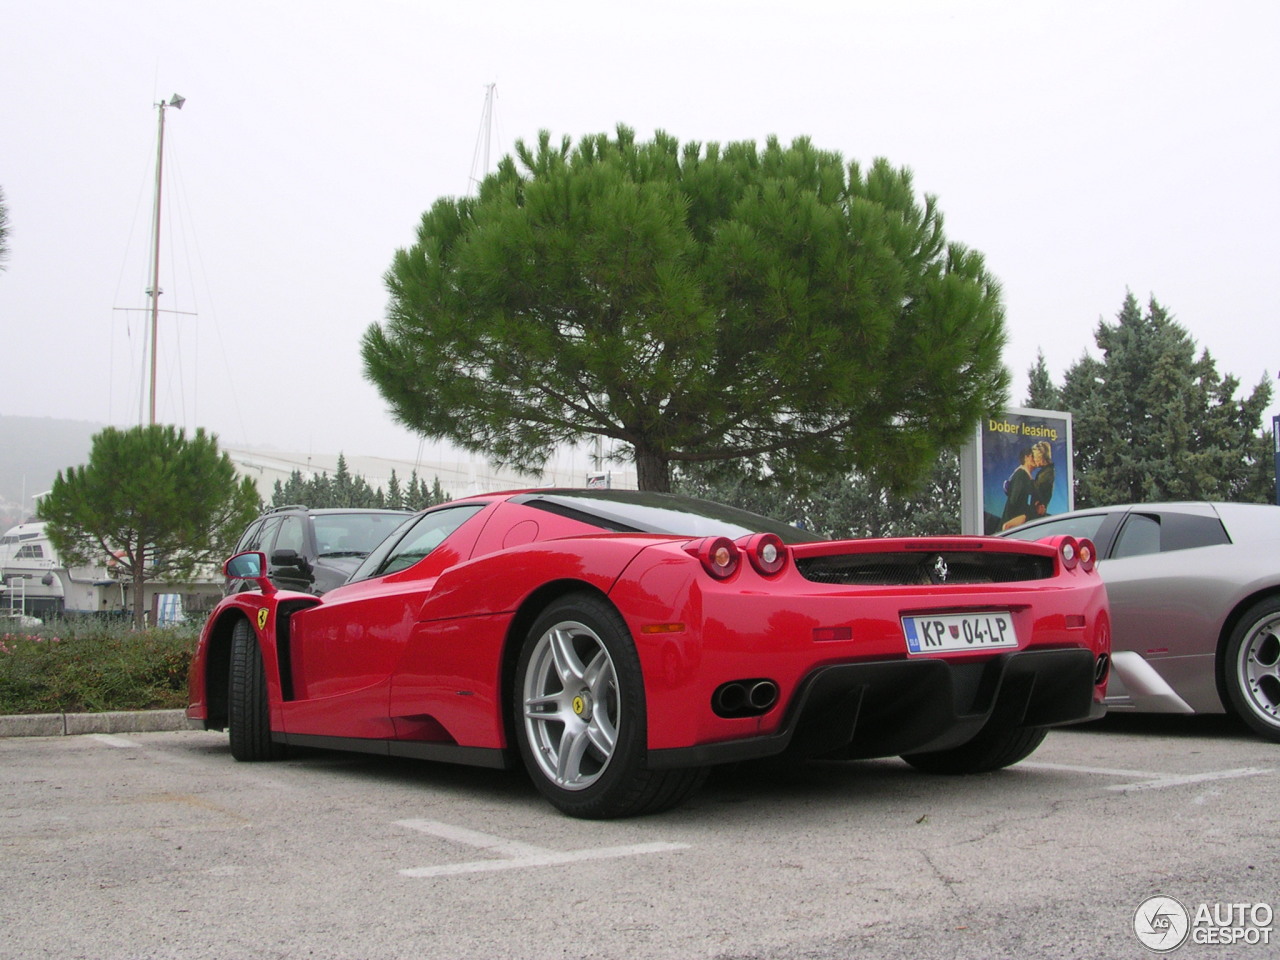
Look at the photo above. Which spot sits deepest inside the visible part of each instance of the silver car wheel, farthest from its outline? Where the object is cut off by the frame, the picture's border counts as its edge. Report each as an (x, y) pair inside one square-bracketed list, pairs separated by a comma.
[(1258, 667), (571, 708)]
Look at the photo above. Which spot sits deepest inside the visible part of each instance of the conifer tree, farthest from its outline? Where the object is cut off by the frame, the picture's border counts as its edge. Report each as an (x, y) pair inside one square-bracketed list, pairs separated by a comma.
[(154, 501), (1153, 421)]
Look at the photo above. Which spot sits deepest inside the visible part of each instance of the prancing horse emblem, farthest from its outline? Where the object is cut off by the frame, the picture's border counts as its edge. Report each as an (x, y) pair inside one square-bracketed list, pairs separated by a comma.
[(940, 570)]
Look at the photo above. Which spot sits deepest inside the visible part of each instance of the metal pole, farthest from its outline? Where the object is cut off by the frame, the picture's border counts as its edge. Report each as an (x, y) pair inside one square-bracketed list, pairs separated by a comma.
[(1275, 439), (175, 101), (155, 262)]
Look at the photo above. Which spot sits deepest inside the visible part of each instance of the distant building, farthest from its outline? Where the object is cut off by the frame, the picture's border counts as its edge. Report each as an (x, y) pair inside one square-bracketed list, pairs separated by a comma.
[(458, 477)]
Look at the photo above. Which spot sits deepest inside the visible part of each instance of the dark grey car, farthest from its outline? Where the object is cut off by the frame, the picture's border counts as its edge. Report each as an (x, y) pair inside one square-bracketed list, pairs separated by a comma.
[(315, 550), (1195, 605)]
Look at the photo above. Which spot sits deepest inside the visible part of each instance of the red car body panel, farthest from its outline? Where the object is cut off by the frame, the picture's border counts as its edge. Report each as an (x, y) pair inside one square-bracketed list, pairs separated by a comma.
[(424, 656)]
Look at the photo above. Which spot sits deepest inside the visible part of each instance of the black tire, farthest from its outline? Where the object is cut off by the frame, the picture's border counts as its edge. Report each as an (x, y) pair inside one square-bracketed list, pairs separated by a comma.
[(996, 746), (580, 719), (248, 717), (1251, 668)]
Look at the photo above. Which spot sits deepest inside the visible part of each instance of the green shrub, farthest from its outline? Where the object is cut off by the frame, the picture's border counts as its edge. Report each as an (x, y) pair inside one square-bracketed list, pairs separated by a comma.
[(92, 666)]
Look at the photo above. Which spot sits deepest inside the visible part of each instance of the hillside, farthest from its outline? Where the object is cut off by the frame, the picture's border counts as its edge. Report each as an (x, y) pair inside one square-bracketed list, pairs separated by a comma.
[(32, 451)]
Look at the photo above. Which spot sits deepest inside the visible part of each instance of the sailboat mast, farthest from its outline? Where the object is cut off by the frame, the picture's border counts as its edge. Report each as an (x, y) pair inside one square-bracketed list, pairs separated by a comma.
[(175, 101), (484, 141)]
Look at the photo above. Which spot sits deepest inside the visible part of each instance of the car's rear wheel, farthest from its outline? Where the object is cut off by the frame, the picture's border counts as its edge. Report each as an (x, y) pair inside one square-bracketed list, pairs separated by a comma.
[(580, 716), (1252, 668), (248, 715), (995, 746)]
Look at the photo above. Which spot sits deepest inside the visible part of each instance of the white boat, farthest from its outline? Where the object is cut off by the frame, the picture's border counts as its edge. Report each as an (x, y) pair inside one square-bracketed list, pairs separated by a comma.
[(36, 583)]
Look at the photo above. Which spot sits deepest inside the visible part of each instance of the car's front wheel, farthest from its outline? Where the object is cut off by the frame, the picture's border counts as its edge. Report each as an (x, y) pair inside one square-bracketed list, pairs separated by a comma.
[(580, 715), (248, 714), (1252, 668)]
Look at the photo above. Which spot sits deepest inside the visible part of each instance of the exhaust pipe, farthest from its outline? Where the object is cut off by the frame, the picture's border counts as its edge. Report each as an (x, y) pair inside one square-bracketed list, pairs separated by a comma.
[(1101, 669), (729, 699), (762, 695), (744, 698)]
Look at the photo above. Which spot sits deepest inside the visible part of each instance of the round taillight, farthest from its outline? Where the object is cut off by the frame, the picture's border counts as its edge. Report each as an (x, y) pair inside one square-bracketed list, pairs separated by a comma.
[(1088, 555), (1069, 551), (766, 551), (719, 555)]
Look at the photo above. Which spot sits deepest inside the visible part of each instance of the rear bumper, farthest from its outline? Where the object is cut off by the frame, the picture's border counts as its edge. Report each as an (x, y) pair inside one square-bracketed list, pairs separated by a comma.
[(861, 710)]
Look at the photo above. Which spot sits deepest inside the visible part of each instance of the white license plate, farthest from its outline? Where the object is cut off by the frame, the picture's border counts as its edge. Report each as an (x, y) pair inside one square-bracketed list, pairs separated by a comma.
[(949, 632)]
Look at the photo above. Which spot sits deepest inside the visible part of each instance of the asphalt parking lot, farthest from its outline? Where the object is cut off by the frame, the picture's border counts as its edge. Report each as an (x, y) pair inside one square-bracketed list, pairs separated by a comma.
[(157, 845)]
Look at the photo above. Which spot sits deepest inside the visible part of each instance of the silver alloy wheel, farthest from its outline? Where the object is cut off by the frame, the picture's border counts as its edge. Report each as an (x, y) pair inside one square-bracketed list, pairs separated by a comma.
[(570, 697), (1258, 668)]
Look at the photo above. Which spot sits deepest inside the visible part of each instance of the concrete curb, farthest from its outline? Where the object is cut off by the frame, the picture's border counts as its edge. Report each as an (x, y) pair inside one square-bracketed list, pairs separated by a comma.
[(73, 724)]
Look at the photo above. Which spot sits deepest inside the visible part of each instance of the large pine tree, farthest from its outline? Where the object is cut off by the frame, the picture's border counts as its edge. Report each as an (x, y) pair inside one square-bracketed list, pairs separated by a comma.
[(1153, 421), (695, 304)]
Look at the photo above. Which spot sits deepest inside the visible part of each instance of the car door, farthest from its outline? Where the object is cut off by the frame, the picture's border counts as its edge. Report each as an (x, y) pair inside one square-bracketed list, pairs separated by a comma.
[(344, 650), (1163, 582)]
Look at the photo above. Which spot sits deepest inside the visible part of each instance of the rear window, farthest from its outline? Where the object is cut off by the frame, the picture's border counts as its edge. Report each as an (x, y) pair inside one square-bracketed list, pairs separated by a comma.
[(638, 511), (1179, 531), (1078, 527)]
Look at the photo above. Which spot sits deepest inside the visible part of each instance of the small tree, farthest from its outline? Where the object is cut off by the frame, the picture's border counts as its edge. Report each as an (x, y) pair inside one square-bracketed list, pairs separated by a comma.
[(1041, 392), (155, 501), (395, 498), (697, 305)]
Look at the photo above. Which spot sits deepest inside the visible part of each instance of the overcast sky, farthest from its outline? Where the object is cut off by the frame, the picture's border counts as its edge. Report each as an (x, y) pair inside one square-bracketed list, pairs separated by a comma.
[(1086, 148)]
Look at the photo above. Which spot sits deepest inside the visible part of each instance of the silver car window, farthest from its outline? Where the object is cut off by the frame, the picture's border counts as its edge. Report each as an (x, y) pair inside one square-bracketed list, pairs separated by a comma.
[(1139, 536)]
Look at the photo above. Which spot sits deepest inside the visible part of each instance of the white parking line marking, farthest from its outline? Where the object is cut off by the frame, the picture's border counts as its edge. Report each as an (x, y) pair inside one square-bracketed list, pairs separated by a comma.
[(1098, 771), (514, 855), (1177, 781), (113, 741), (1150, 779), (474, 838)]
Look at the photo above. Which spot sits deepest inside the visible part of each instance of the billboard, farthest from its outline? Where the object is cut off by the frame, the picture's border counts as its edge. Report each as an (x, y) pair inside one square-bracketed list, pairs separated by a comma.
[(1017, 468)]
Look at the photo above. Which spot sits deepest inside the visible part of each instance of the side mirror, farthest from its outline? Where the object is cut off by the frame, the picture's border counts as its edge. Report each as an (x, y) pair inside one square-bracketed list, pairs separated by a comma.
[(251, 565), (290, 558)]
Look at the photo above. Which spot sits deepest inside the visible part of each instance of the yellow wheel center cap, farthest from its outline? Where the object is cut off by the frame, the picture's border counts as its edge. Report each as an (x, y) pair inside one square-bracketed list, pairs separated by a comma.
[(582, 706)]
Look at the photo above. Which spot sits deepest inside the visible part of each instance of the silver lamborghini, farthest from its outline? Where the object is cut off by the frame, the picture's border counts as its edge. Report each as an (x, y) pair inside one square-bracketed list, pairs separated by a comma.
[(1195, 604)]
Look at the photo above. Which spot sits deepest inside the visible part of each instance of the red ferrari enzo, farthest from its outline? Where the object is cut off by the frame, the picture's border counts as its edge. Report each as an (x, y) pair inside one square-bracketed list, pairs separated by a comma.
[(622, 642)]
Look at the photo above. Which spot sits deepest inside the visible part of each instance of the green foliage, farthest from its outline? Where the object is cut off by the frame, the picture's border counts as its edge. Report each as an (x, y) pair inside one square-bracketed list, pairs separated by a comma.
[(159, 503), (345, 489), (843, 507), (92, 666), (696, 303), (1153, 421), (1041, 392)]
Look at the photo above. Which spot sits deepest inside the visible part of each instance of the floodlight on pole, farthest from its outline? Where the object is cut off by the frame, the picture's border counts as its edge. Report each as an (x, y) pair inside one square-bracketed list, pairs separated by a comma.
[(154, 290)]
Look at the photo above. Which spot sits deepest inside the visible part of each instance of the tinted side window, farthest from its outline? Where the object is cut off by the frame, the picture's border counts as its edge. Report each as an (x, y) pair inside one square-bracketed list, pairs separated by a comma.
[(421, 537), (1140, 535), (265, 534), (292, 536), (250, 536), (1180, 531)]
